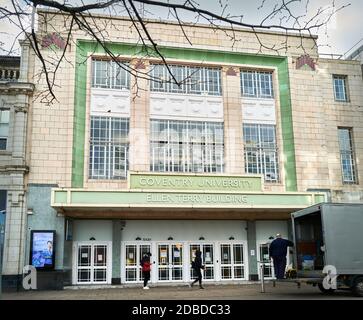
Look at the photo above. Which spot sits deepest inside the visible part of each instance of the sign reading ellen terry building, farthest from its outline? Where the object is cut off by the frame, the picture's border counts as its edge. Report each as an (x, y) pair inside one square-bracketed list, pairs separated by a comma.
[(196, 199)]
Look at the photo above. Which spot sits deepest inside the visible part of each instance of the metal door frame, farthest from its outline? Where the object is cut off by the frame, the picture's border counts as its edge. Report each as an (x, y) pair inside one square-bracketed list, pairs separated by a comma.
[(270, 263), (137, 265), (76, 245), (215, 259), (245, 259), (169, 243)]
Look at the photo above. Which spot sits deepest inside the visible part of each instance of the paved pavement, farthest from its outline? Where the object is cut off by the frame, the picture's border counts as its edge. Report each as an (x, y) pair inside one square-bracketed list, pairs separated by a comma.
[(182, 292)]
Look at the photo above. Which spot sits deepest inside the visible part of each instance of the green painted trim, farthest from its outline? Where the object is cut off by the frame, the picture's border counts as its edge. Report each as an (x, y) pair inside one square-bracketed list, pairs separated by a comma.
[(79, 119), (84, 47), (319, 198), (80, 198), (287, 127), (60, 197)]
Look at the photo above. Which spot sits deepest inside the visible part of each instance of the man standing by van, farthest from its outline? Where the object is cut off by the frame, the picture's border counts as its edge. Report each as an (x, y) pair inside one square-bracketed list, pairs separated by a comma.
[(278, 252)]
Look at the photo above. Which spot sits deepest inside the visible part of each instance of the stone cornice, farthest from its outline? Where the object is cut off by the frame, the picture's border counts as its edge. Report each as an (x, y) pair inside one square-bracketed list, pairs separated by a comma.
[(14, 168), (17, 87), (21, 108)]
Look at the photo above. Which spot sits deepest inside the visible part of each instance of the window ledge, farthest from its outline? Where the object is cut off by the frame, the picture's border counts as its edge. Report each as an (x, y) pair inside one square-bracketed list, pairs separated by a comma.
[(186, 94), (342, 101), (257, 98), (106, 180), (272, 183), (111, 89)]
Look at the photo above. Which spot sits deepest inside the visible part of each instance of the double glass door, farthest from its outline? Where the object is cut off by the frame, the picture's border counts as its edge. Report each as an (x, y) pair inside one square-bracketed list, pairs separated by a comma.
[(232, 265), (92, 263), (207, 250), (133, 254), (170, 261)]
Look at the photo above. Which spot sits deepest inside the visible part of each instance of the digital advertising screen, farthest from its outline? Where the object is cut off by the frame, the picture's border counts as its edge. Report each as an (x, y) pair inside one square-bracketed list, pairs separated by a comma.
[(42, 249)]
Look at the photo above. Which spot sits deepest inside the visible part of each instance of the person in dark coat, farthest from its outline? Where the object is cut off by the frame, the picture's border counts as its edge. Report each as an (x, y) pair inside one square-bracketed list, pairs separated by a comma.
[(146, 268), (197, 265), (278, 252)]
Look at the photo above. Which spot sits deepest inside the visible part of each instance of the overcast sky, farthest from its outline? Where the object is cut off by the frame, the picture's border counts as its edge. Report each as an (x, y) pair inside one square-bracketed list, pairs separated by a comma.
[(342, 32)]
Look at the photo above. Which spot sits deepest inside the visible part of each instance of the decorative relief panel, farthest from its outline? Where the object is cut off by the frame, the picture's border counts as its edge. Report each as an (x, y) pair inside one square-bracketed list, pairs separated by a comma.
[(110, 102), (182, 106), (258, 111)]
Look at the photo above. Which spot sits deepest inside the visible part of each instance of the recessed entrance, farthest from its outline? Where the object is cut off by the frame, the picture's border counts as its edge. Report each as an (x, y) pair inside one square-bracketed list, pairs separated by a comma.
[(171, 261)]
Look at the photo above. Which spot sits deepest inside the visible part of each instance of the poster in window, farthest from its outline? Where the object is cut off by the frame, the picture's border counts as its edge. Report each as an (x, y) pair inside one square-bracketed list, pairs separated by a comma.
[(42, 246), (207, 257)]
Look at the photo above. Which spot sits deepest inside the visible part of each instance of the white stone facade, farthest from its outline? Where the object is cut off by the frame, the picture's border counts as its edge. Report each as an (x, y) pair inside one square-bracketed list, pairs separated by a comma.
[(15, 97)]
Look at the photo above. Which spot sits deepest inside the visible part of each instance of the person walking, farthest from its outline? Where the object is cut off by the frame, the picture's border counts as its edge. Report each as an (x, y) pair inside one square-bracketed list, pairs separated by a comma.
[(146, 268), (197, 265), (278, 252)]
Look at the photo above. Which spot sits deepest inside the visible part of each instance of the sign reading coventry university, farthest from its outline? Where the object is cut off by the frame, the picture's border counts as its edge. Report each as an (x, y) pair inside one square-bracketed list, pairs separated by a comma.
[(159, 181)]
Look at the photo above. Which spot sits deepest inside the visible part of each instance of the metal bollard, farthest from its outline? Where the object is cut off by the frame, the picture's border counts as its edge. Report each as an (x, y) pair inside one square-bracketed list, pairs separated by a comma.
[(262, 266)]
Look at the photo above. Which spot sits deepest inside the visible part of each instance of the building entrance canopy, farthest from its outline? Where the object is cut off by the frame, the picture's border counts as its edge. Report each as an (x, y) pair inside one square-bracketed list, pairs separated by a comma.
[(180, 194)]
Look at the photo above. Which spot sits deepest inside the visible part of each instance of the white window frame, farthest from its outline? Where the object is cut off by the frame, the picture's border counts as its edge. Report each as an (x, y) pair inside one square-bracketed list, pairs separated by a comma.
[(341, 82), (244, 75), (261, 152), (169, 86), (112, 69), (257, 77), (125, 151), (94, 175), (109, 148), (187, 149), (5, 123), (125, 76), (104, 82), (352, 176), (179, 73)]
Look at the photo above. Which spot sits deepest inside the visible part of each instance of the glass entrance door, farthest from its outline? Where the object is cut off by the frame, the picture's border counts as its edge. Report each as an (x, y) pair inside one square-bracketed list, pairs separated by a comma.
[(263, 256), (92, 263), (170, 261), (133, 254), (207, 250), (232, 261)]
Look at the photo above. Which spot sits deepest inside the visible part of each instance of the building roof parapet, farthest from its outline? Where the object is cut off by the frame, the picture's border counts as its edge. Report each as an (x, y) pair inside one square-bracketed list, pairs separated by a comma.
[(9, 68), (190, 24)]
